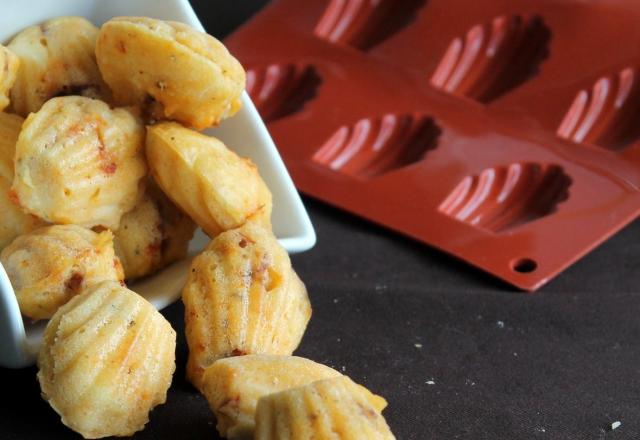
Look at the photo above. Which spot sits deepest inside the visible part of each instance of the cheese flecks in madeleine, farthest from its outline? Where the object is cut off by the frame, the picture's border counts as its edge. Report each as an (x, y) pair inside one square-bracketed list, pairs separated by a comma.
[(78, 161), (234, 385), (50, 265), (13, 221), (57, 58), (218, 189), (106, 361), (9, 63), (151, 236), (169, 68), (242, 297), (325, 409)]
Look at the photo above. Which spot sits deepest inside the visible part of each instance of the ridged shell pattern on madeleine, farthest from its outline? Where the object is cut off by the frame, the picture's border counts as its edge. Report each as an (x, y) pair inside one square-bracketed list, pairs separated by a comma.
[(57, 58), (242, 297), (171, 69), (106, 361), (327, 409), (13, 221), (217, 188), (50, 265), (9, 63), (78, 161), (234, 385), (151, 236)]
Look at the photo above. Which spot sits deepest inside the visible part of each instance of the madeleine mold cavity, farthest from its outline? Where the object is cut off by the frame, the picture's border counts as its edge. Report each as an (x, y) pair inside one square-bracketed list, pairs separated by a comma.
[(493, 57), (375, 146), (503, 132), (279, 90), (608, 115), (365, 23), (502, 198)]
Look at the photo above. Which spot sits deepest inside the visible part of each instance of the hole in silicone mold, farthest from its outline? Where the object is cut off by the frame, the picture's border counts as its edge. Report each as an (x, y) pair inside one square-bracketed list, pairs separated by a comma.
[(374, 146), (607, 115), (365, 23), (505, 197), (493, 57), (524, 265), (280, 90)]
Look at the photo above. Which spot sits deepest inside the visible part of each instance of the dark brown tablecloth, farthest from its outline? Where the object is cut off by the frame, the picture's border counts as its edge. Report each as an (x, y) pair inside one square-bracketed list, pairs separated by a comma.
[(457, 354)]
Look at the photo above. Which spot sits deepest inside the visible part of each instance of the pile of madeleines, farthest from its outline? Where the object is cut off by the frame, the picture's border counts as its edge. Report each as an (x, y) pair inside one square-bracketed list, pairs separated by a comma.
[(106, 180)]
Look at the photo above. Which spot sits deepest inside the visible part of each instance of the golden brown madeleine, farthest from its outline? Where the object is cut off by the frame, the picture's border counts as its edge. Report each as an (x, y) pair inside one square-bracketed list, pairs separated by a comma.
[(56, 58), (218, 189), (13, 221), (242, 297), (325, 409), (50, 265), (78, 161), (154, 234), (106, 361), (175, 71), (234, 385), (9, 63)]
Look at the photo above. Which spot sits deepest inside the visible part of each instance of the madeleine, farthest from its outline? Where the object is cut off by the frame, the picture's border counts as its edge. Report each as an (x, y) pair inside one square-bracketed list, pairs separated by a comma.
[(79, 161), (218, 189), (57, 58), (50, 265), (151, 236), (242, 297), (234, 385), (106, 361), (9, 63), (170, 69), (13, 221), (325, 409)]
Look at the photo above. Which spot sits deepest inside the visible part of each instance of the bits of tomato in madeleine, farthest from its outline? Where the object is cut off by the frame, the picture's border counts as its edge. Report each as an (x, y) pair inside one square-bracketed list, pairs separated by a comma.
[(79, 161), (151, 236), (51, 265)]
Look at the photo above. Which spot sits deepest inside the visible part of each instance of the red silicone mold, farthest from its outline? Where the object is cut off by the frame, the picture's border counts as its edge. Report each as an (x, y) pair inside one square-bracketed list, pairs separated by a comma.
[(504, 132)]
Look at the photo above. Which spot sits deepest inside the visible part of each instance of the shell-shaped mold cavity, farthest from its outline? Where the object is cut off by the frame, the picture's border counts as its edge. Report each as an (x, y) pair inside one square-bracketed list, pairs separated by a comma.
[(234, 385), (106, 360), (325, 409), (505, 197), (242, 297), (493, 57), (279, 90), (375, 146), (606, 115), (365, 23)]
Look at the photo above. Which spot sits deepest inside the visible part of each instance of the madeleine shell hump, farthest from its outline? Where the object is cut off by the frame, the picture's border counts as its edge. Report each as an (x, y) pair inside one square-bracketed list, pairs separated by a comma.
[(106, 360), (57, 58), (49, 266), (218, 189), (9, 63), (78, 161), (169, 68), (13, 221), (325, 409), (233, 386), (242, 297)]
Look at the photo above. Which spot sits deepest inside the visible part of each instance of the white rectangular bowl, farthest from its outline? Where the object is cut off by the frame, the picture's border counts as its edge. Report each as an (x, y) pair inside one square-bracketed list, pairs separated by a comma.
[(245, 133)]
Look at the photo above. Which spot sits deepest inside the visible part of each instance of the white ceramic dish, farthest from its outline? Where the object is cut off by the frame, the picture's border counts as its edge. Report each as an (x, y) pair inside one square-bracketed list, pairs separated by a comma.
[(245, 133)]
